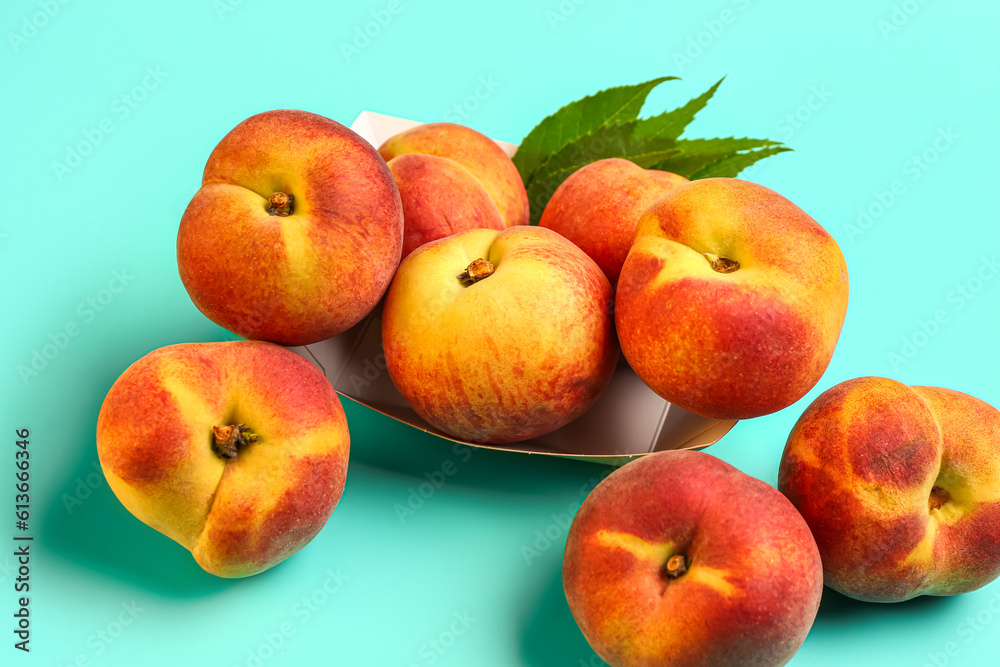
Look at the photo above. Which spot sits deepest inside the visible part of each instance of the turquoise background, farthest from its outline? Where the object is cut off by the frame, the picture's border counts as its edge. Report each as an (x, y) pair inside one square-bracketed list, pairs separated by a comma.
[(860, 89)]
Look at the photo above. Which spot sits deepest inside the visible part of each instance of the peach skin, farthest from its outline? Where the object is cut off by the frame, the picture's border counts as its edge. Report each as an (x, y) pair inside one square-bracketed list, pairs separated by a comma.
[(901, 487), (452, 178), (731, 300), (440, 198), (680, 559), (295, 233), (598, 206), (499, 336), (237, 450)]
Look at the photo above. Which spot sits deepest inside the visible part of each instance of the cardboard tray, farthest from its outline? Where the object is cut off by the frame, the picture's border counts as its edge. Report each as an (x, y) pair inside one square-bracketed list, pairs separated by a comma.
[(629, 420)]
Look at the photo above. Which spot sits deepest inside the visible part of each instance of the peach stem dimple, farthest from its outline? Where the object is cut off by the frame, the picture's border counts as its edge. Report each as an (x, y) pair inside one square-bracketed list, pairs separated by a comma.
[(280, 204), (476, 271), (230, 438)]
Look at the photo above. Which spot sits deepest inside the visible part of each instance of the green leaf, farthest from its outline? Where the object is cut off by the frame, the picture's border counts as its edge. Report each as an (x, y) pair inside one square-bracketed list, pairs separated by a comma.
[(672, 123), (732, 165), (616, 140), (576, 119), (647, 160), (606, 125), (696, 154)]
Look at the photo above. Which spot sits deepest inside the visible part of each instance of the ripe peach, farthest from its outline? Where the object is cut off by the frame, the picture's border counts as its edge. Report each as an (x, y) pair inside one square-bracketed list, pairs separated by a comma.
[(598, 206), (499, 336), (452, 178), (680, 559), (901, 487), (236, 450), (731, 300), (295, 233)]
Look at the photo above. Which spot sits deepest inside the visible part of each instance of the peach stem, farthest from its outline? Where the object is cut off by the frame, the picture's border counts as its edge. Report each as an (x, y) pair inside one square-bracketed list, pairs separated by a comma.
[(722, 264), (280, 204), (676, 566), (938, 498), (476, 271), (230, 438)]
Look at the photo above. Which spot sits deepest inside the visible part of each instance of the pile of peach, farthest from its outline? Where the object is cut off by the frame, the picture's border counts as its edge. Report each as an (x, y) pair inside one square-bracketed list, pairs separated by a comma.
[(885, 492), (724, 297)]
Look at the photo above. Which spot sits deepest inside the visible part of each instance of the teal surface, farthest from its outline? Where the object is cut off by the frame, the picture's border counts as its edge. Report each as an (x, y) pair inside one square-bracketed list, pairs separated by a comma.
[(108, 113)]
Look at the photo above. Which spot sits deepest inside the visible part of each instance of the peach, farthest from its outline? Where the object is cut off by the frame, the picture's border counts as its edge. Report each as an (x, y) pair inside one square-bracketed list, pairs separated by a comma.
[(499, 336), (440, 198), (237, 450), (598, 206), (901, 487), (295, 233), (452, 178), (680, 559), (731, 300)]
